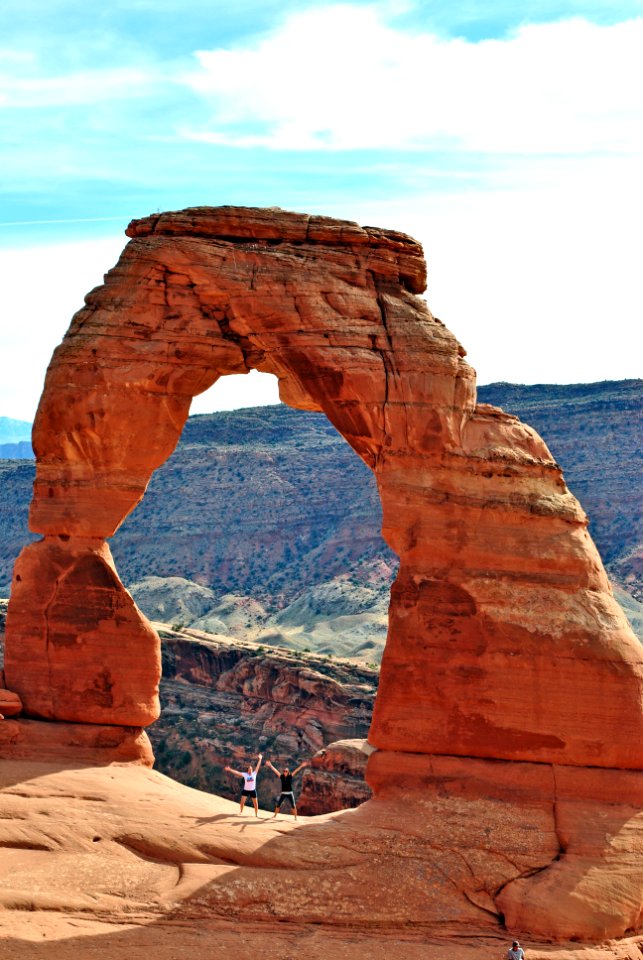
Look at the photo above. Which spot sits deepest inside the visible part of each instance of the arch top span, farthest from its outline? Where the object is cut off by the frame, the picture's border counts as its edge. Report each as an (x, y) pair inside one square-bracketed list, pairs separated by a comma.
[(327, 306), (501, 617), (404, 263)]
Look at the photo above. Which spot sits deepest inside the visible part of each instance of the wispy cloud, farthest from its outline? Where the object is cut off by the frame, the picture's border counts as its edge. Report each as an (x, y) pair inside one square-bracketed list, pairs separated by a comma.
[(344, 77), (31, 223), (72, 89)]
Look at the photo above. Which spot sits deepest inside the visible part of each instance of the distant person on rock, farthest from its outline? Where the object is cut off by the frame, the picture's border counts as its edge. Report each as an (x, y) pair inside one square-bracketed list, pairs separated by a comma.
[(516, 952), (287, 792), (249, 784)]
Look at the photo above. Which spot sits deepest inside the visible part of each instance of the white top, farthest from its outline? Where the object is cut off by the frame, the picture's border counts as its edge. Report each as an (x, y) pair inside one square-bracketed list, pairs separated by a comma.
[(250, 780)]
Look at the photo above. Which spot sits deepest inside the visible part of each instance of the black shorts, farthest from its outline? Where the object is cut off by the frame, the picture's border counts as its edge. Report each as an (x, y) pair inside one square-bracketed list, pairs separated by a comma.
[(290, 797), (249, 793)]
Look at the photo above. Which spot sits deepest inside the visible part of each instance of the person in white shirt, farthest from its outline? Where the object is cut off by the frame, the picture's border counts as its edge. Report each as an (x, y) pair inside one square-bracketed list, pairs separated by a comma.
[(249, 784), (516, 952)]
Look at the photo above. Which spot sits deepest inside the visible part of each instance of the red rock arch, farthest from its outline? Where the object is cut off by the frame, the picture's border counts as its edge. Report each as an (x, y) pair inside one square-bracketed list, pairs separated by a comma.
[(503, 632)]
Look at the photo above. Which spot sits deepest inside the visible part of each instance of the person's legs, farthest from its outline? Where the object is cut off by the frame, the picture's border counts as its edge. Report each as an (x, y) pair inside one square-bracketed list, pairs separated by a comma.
[(256, 806), (283, 797), (243, 803)]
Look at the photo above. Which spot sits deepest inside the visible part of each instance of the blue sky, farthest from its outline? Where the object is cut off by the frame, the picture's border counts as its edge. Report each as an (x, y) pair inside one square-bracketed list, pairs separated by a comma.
[(506, 137)]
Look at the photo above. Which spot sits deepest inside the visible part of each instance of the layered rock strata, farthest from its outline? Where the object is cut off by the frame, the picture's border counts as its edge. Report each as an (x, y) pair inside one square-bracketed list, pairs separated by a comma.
[(504, 641)]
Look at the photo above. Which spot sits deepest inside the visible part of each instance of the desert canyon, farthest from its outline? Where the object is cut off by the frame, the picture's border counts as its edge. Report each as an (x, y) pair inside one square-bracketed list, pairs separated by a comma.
[(506, 763)]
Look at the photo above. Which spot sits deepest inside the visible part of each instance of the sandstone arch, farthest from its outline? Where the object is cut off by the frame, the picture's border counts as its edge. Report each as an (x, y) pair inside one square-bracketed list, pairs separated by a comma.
[(499, 581), (505, 643)]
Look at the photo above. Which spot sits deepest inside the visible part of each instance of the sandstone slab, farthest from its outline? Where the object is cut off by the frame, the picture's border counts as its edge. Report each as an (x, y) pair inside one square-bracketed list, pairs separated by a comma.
[(121, 843), (93, 657)]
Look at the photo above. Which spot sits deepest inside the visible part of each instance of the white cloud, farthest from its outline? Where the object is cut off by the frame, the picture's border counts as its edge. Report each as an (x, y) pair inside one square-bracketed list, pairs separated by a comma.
[(341, 77), (533, 260)]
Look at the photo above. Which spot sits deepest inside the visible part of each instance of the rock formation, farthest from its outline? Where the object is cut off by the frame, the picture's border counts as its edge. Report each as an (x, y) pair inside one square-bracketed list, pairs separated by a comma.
[(335, 778), (10, 703), (416, 870), (504, 643)]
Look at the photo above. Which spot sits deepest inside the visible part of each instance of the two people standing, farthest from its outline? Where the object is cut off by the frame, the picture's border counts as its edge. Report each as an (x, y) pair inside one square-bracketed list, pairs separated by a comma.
[(250, 785)]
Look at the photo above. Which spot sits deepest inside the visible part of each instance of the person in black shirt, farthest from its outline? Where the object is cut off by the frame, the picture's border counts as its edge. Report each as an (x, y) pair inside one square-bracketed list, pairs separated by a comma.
[(287, 792)]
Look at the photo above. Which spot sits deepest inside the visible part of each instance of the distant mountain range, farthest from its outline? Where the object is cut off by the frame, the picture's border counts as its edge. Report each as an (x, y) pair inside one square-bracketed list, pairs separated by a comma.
[(15, 438), (20, 450), (264, 523), (595, 432)]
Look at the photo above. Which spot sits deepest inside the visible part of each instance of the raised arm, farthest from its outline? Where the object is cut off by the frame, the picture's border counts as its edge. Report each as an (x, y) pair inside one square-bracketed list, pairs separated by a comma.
[(274, 769), (237, 773), (259, 764), (304, 763)]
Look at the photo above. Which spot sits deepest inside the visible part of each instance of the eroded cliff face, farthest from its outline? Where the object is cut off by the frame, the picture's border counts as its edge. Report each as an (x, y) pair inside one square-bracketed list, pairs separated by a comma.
[(504, 643), (224, 701)]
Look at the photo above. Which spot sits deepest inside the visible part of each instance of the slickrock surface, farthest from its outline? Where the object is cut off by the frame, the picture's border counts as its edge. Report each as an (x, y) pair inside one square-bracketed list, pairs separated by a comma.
[(118, 861), (504, 643)]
